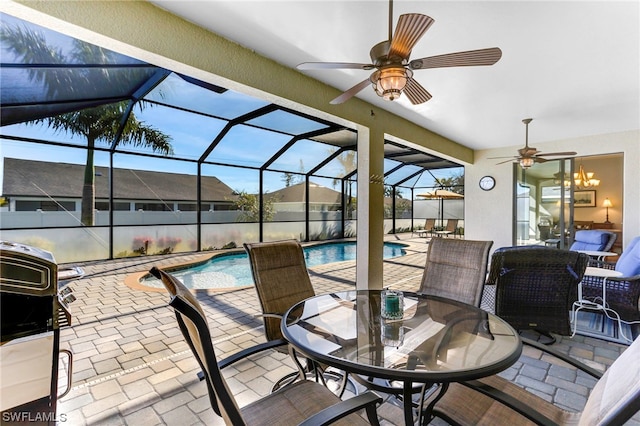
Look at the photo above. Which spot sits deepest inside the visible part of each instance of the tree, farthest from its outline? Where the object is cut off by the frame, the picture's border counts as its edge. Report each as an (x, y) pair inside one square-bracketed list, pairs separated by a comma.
[(453, 183), (388, 191), (249, 205), (288, 179), (348, 162), (97, 124)]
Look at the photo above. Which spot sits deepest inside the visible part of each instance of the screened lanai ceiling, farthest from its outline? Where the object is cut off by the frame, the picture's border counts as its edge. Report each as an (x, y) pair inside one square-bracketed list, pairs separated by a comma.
[(45, 74)]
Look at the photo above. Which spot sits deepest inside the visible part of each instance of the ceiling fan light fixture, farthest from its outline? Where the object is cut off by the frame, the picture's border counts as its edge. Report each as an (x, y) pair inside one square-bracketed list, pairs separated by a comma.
[(526, 162), (389, 81)]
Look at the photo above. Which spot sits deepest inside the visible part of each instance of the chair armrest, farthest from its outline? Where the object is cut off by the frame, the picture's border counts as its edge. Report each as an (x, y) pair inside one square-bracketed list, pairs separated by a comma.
[(245, 353), (267, 315), (601, 264), (622, 279), (250, 351), (367, 400)]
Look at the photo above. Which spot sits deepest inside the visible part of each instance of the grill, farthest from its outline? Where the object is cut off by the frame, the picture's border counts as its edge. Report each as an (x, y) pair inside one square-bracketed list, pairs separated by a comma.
[(32, 311)]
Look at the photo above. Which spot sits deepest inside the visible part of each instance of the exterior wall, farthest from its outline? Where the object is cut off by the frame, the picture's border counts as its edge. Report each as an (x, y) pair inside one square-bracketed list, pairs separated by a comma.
[(489, 215)]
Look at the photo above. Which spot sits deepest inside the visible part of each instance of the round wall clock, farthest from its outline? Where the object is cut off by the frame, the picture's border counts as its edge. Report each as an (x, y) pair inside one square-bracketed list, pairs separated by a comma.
[(487, 183)]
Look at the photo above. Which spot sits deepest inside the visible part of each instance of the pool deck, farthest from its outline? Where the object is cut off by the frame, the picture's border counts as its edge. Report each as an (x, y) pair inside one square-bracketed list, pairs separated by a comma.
[(132, 366)]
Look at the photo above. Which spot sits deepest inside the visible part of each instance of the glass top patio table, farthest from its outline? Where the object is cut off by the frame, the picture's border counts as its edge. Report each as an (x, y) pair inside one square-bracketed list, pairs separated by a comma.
[(438, 340)]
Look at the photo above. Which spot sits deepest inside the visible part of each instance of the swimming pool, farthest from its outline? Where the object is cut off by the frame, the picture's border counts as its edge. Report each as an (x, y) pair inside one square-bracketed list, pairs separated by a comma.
[(233, 270)]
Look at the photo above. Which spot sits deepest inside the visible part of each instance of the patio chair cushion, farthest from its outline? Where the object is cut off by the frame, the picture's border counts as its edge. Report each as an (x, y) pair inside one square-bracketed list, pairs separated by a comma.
[(593, 240), (629, 262)]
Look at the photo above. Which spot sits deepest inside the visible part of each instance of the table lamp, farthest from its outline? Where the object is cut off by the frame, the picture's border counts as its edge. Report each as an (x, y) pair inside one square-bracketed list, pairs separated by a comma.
[(607, 204)]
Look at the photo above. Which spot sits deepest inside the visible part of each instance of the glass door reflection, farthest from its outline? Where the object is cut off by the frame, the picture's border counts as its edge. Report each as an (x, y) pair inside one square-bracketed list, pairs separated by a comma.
[(543, 204)]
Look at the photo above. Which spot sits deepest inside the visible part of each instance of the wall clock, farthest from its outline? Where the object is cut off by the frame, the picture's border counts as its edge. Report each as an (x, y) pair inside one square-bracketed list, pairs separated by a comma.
[(487, 183)]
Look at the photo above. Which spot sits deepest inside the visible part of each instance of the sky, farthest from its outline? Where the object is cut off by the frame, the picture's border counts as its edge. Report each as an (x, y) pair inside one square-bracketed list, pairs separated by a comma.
[(190, 133)]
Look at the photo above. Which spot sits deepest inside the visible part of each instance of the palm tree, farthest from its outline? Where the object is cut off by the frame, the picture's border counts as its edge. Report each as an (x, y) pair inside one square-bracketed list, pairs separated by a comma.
[(452, 183), (96, 124)]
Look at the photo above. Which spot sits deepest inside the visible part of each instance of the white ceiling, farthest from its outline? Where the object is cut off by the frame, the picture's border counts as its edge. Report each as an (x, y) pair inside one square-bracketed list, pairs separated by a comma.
[(573, 66)]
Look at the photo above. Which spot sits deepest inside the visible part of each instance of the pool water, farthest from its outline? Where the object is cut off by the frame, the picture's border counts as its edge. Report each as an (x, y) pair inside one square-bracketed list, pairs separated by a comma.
[(233, 270)]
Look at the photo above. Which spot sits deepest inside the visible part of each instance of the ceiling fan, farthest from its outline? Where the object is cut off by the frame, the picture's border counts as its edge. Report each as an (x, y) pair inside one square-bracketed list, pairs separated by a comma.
[(393, 73), (527, 156)]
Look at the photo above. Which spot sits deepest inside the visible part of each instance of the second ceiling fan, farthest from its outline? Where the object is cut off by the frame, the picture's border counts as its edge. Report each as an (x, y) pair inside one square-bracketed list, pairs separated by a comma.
[(528, 155), (393, 73)]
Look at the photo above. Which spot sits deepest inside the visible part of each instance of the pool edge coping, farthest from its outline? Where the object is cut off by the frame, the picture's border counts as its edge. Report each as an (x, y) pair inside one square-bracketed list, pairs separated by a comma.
[(133, 280)]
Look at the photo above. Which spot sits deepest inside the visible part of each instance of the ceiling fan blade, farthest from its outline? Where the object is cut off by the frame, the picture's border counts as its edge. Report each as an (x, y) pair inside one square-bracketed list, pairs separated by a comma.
[(415, 92), (351, 92), (498, 158), (507, 161), (551, 154), (539, 160), (409, 29), (333, 65), (459, 59)]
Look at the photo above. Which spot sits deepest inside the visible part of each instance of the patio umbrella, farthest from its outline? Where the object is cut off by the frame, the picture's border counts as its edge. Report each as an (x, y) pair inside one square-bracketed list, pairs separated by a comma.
[(441, 195)]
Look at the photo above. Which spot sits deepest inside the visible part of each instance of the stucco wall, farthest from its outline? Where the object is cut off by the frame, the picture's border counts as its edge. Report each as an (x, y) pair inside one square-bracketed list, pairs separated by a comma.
[(488, 215)]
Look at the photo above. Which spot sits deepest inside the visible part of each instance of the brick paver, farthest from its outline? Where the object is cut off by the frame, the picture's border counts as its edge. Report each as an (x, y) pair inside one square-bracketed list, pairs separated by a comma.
[(132, 367)]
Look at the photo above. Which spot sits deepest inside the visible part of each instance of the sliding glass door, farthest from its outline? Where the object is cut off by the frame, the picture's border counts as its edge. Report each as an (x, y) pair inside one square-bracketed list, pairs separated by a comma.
[(543, 204)]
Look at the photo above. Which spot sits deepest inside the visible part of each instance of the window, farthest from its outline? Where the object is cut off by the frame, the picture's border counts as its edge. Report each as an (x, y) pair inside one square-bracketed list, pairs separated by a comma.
[(46, 206)]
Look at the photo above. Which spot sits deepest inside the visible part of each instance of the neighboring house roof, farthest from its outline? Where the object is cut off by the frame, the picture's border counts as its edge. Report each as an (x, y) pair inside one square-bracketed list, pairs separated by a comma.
[(297, 194), (28, 178)]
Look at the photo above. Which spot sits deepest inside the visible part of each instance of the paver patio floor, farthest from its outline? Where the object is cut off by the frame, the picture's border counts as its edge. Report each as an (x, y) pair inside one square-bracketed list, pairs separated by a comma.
[(132, 367)]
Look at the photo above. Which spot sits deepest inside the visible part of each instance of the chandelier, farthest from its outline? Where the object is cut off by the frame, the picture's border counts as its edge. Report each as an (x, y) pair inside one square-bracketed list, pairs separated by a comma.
[(584, 179), (559, 179)]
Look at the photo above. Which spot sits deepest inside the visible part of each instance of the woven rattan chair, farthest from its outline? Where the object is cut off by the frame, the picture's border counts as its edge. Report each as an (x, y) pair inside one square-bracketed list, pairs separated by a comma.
[(623, 293), (536, 287), (614, 399), (303, 402), (281, 280)]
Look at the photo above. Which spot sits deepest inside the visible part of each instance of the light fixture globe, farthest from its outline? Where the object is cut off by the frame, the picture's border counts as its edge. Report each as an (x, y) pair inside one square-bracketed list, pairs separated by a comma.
[(584, 179), (526, 162), (390, 80)]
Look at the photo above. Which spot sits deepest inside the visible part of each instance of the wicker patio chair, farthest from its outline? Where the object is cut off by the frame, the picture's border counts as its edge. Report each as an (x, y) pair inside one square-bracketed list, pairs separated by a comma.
[(303, 402), (623, 293), (281, 280), (493, 400), (536, 287)]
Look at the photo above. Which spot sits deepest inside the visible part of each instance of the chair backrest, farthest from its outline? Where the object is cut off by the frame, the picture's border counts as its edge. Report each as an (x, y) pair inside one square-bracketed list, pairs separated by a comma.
[(616, 396), (452, 224), (629, 262), (429, 224), (536, 286), (612, 239), (593, 239), (281, 279), (545, 231), (194, 328), (456, 269)]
